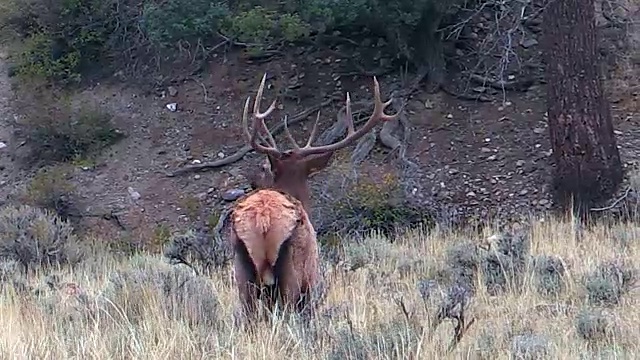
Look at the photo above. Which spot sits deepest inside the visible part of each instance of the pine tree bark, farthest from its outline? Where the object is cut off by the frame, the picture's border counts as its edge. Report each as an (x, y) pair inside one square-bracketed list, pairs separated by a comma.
[(588, 169)]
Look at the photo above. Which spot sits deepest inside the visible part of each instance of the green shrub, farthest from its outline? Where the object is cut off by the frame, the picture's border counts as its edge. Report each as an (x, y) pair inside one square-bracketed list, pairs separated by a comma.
[(62, 37), (261, 28), (66, 39), (172, 21), (41, 59), (409, 26)]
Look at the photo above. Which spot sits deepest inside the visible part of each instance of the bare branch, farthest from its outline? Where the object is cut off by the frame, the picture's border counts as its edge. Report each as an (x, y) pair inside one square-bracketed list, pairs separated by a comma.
[(626, 193)]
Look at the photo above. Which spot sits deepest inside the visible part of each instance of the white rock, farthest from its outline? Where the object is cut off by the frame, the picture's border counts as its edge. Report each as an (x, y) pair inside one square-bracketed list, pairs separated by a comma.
[(134, 194)]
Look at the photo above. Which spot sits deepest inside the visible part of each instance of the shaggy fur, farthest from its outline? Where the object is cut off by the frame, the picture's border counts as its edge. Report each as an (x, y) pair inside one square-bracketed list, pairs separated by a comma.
[(276, 250)]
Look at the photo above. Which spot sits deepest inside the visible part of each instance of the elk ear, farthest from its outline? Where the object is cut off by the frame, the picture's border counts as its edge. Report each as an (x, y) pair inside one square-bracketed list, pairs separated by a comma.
[(315, 163)]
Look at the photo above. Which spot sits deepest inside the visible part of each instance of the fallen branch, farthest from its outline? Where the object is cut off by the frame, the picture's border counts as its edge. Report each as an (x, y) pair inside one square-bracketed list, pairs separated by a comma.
[(247, 148), (479, 97), (514, 85), (626, 193), (111, 216), (364, 147), (400, 99)]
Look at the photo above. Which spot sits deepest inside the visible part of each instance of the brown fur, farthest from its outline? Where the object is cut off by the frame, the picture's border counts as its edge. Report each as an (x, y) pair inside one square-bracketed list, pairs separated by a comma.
[(274, 239)]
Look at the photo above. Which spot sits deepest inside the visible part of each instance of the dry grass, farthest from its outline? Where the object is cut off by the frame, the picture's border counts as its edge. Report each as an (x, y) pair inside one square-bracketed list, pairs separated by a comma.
[(128, 308)]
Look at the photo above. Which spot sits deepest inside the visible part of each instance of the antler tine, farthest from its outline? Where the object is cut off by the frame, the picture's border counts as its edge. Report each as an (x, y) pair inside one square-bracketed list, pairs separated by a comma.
[(349, 116), (288, 134), (314, 130), (258, 123), (376, 117)]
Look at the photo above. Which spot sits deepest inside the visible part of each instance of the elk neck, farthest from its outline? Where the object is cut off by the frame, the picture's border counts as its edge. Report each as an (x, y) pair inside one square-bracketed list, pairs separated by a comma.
[(296, 188)]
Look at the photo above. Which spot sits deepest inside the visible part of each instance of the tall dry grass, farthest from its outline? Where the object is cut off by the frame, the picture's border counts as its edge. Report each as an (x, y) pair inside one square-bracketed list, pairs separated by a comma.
[(136, 308)]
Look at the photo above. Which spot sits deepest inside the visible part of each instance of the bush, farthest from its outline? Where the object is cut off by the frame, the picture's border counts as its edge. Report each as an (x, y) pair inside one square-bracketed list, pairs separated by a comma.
[(51, 189), (609, 282), (262, 28), (505, 264), (409, 26), (197, 250), (530, 346), (150, 283), (550, 275), (371, 205), (174, 21), (57, 132), (462, 263), (596, 326), (66, 39), (36, 238)]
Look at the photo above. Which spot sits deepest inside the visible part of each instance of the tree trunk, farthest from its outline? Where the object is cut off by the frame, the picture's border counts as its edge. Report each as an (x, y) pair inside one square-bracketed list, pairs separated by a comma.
[(588, 169)]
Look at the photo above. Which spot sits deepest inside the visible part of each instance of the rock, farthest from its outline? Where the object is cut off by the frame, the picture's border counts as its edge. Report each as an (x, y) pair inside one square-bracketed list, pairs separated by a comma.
[(134, 194), (172, 106), (529, 43), (2, 145), (196, 177), (520, 163), (232, 195), (172, 91), (539, 130)]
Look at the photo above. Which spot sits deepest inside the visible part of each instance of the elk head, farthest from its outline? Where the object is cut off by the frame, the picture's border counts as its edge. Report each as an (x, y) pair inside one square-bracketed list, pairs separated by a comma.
[(290, 169)]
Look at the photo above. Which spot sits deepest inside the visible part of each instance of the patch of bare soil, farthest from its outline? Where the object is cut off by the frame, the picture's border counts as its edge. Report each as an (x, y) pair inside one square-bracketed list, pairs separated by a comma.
[(478, 159)]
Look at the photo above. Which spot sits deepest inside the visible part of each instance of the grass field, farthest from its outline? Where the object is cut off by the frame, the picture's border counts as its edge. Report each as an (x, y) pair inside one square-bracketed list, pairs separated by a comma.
[(552, 294)]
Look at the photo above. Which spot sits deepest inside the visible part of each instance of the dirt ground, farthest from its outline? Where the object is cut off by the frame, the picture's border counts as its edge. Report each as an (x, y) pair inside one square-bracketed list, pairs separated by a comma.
[(478, 159)]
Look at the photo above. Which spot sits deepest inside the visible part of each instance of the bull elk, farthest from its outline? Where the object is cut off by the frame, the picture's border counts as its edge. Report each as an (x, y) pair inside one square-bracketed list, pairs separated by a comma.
[(276, 252)]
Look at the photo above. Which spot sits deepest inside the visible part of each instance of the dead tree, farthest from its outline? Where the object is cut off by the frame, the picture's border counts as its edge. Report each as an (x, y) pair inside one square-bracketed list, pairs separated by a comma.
[(588, 169)]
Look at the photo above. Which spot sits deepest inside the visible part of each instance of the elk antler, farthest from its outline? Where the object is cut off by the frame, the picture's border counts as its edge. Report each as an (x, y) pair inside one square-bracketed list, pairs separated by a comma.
[(376, 117), (258, 124)]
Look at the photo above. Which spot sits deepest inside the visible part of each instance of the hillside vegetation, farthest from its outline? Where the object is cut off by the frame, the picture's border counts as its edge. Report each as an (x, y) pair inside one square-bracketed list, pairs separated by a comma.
[(546, 292)]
